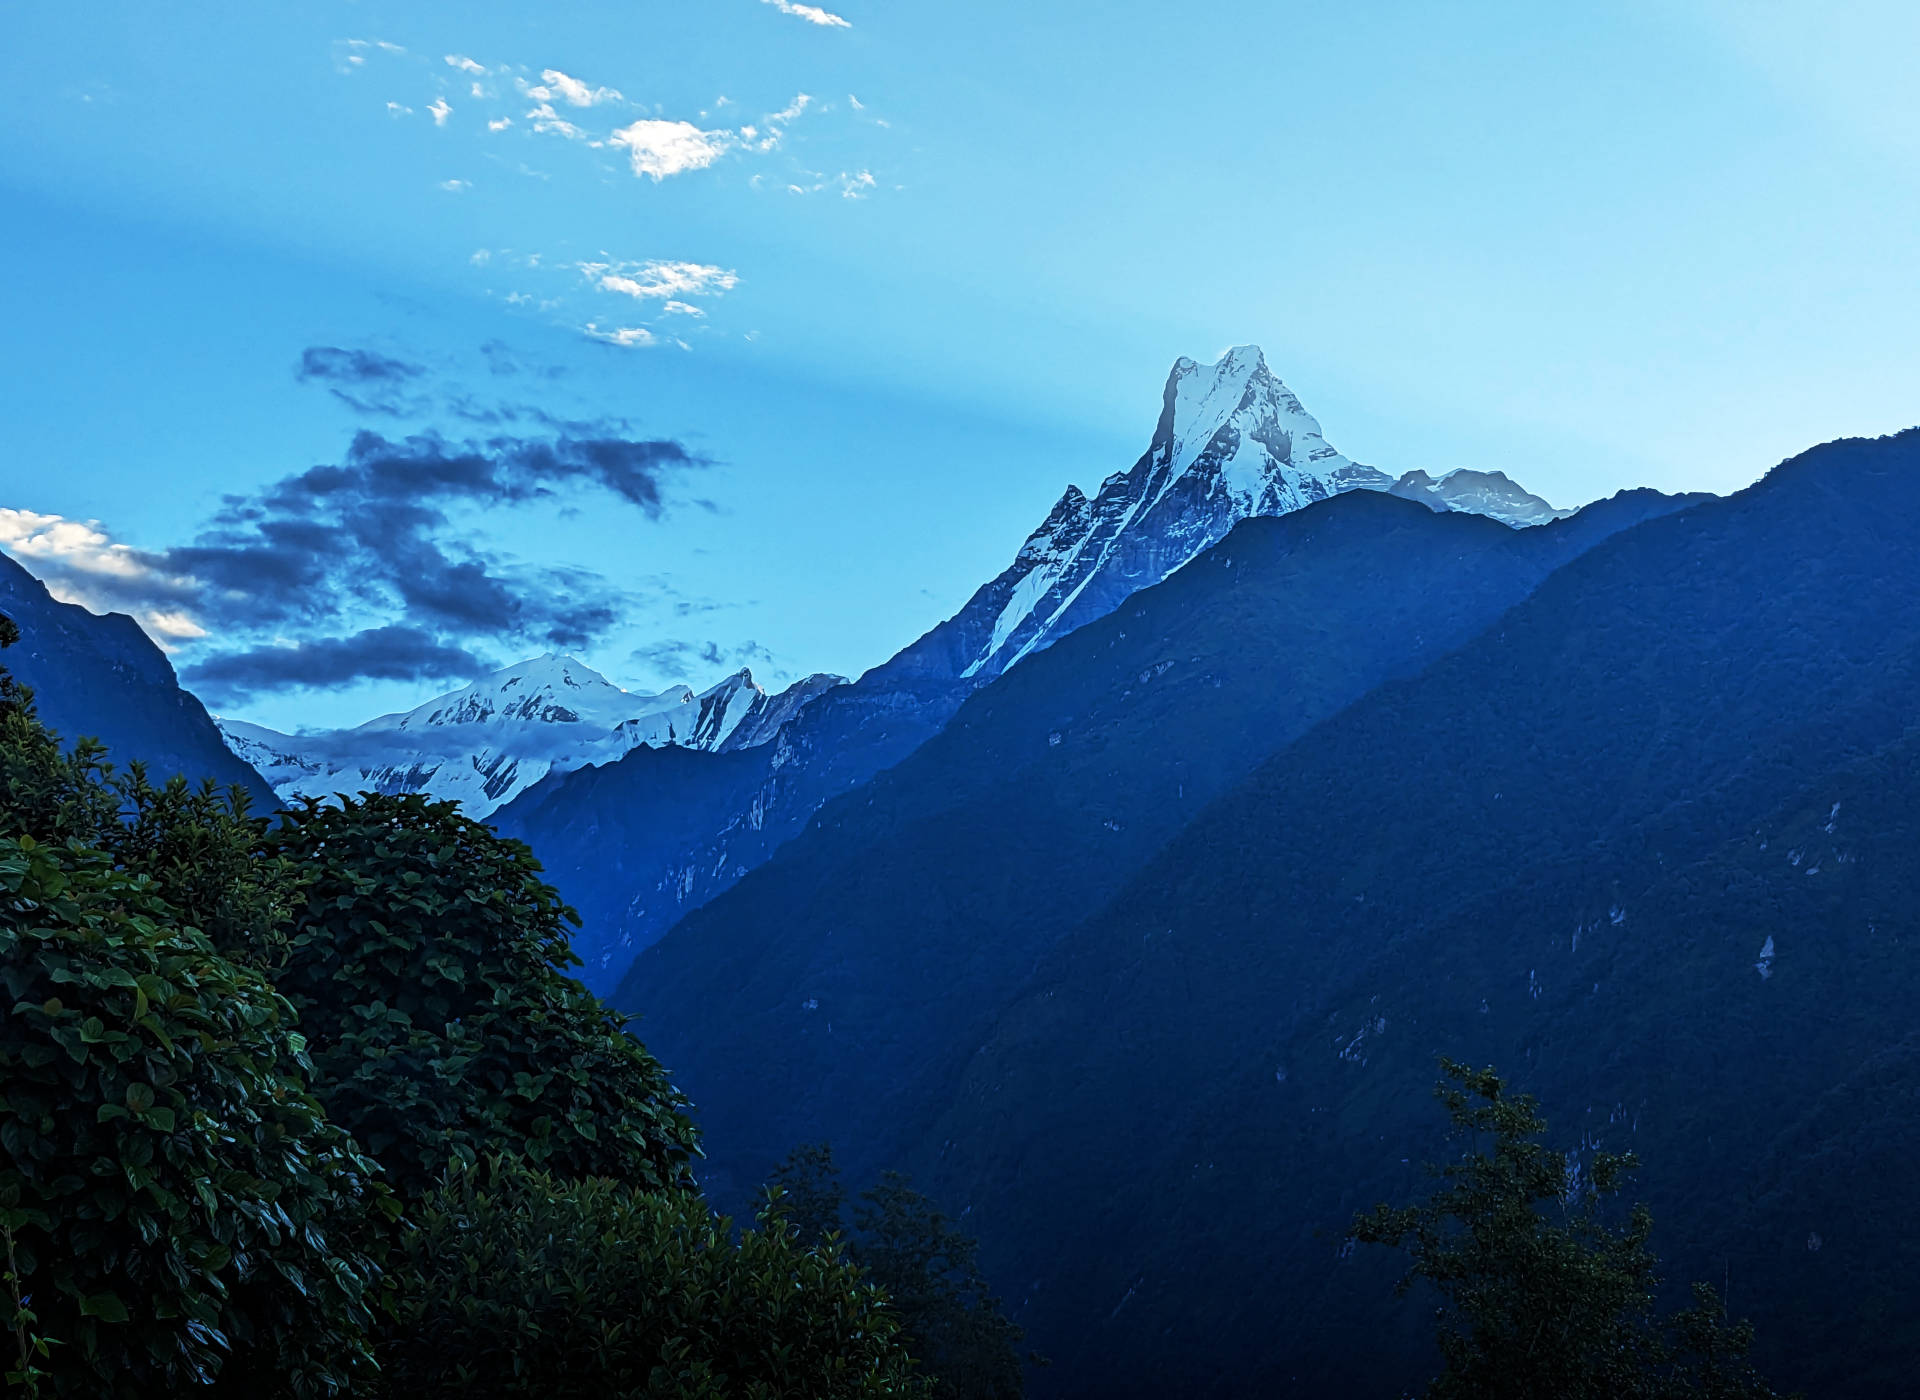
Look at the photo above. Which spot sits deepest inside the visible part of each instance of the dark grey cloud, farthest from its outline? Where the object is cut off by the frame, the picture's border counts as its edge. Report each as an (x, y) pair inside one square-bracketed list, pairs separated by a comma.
[(365, 380), (502, 360), (389, 540), (354, 366), (394, 653)]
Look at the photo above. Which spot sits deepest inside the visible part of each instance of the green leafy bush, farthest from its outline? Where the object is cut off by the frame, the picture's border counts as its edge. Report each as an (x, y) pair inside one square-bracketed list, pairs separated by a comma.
[(428, 960), (174, 1201), (533, 1288), (168, 1183)]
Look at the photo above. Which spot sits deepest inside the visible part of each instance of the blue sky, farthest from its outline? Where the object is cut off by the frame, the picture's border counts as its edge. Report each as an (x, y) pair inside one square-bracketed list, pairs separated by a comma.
[(885, 286)]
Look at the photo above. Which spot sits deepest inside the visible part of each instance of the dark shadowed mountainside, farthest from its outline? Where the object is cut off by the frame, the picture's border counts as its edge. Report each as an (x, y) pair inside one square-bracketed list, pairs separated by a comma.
[(855, 971), (101, 677), (1648, 843)]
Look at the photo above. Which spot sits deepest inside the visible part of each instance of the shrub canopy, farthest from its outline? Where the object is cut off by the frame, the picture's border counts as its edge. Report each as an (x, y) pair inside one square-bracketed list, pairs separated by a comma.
[(428, 960), (533, 1288), (170, 1184)]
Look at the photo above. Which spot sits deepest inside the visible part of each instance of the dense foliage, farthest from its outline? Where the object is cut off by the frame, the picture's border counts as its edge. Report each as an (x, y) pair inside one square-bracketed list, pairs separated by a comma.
[(168, 1185), (1542, 1293), (928, 1268), (428, 961), (534, 1288), (175, 1199)]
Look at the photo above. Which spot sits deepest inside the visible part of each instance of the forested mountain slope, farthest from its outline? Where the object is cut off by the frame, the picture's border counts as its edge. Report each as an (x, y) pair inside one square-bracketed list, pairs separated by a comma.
[(1648, 843), (854, 972)]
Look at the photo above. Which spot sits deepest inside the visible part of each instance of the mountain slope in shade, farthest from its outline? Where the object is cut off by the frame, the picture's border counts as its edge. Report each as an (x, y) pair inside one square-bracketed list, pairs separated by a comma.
[(102, 677), (1231, 442), (484, 744), (857, 966), (1648, 844)]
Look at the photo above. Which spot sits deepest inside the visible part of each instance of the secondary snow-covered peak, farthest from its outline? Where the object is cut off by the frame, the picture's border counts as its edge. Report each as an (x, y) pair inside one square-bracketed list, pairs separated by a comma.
[(1067, 518), (722, 708), (546, 690), (1492, 494)]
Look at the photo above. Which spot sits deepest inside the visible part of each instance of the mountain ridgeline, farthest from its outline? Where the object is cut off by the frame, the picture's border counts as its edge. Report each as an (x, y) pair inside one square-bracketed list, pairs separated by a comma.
[(1636, 822), (1231, 443), (1129, 910), (857, 966)]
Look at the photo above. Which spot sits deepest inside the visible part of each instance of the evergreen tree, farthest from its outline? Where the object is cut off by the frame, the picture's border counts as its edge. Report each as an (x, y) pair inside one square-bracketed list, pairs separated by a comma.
[(810, 1196), (927, 1267), (1542, 1292), (531, 1287)]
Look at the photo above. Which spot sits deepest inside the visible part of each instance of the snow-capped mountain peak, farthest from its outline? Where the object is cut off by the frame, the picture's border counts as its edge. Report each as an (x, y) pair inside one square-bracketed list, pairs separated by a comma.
[(1232, 441)]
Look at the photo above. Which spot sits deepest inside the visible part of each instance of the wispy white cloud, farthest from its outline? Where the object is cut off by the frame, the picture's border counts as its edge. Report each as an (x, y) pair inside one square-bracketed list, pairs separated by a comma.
[(441, 110), (555, 84), (812, 14), (499, 123), (465, 64), (681, 308), (849, 184), (768, 136), (628, 336), (399, 109), (350, 54), (662, 148), (659, 278), (801, 101), (545, 119), (456, 186)]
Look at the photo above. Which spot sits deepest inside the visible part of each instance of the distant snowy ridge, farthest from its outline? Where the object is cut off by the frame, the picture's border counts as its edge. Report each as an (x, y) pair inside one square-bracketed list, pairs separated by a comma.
[(1491, 494), (487, 742)]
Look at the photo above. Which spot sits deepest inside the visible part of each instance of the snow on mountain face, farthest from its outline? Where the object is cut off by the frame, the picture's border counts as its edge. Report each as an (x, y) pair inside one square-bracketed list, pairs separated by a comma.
[(484, 744), (1232, 442)]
